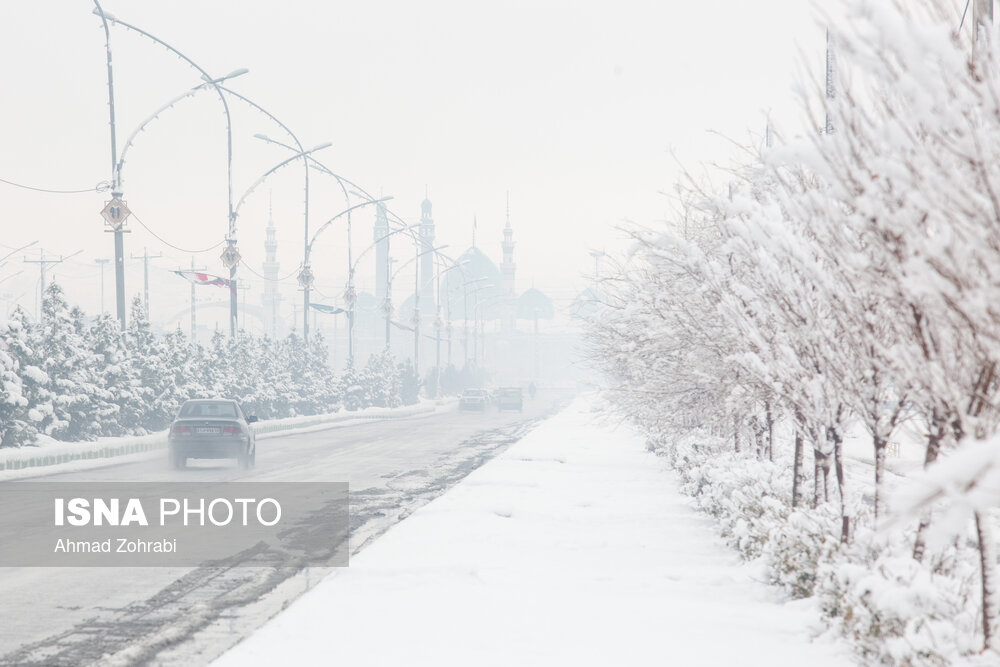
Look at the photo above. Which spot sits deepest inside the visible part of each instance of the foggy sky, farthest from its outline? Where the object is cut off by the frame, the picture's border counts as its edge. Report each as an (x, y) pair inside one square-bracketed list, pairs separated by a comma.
[(581, 110)]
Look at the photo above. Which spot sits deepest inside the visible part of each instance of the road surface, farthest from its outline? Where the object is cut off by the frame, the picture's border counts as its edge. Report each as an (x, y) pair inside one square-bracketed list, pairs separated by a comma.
[(183, 616)]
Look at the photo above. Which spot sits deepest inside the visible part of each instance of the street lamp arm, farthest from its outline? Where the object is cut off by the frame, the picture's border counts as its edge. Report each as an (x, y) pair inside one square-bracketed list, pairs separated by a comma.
[(341, 181), (310, 162), (415, 258), (283, 163), (156, 114), (128, 26), (268, 114), (14, 252), (319, 166), (214, 82), (346, 211), (375, 243)]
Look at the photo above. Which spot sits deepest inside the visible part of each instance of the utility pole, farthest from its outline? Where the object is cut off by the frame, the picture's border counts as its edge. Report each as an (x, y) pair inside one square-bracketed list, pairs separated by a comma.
[(145, 276), (42, 263), (102, 262)]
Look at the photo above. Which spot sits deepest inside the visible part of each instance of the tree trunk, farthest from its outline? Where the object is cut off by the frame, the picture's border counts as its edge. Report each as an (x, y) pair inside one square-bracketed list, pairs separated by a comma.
[(758, 433), (826, 478), (838, 464), (934, 438), (987, 565), (770, 431), (817, 475), (797, 463), (880, 452)]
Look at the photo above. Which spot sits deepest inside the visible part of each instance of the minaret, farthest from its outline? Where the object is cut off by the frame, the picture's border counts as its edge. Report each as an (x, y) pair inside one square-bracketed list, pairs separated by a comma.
[(381, 251), (270, 270), (427, 260), (507, 269)]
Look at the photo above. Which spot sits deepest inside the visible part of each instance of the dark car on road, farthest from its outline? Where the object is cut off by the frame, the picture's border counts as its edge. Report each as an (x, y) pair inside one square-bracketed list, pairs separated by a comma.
[(474, 399), (510, 398), (212, 429)]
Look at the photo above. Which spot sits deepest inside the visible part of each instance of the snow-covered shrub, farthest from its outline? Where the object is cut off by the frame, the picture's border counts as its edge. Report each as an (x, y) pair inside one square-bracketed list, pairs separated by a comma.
[(746, 495), (896, 610), (899, 611), (796, 549)]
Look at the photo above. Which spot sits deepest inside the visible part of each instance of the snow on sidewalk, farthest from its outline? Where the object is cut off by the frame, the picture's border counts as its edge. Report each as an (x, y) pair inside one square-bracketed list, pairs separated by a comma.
[(573, 547)]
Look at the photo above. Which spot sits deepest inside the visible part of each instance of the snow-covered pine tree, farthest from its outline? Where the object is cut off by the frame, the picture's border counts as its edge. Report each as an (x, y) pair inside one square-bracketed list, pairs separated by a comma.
[(72, 371), (14, 430), (24, 346), (116, 376), (409, 388), (148, 354)]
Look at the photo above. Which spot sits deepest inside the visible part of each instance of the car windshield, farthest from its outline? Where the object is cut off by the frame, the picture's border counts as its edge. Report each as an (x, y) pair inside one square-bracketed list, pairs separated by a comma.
[(510, 392), (209, 409), (475, 392)]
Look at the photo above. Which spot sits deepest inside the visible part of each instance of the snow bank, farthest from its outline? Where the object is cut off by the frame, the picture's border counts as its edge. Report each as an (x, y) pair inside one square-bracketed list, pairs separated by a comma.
[(573, 547), (50, 452)]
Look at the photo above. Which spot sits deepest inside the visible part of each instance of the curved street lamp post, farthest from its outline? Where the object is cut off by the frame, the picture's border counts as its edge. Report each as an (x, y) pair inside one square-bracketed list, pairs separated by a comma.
[(116, 212), (230, 256), (438, 323), (387, 303), (415, 320), (350, 296)]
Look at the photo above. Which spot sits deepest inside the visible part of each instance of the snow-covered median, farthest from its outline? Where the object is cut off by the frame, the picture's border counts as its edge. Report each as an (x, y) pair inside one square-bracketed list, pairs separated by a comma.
[(573, 547)]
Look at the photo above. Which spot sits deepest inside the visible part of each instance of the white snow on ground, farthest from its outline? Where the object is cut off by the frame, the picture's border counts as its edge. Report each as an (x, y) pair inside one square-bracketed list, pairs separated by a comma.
[(573, 547)]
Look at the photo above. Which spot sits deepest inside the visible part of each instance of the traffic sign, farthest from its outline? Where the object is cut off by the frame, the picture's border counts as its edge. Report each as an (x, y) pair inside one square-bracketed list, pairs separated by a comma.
[(115, 213), (230, 256)]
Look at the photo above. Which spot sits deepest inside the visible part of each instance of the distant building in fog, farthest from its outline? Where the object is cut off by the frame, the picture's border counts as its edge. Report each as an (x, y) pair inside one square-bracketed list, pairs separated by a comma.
[(272, 298), (508, 293)]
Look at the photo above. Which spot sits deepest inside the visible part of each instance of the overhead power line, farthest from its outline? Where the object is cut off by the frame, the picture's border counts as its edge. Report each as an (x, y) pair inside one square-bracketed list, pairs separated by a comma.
[(103, 186)]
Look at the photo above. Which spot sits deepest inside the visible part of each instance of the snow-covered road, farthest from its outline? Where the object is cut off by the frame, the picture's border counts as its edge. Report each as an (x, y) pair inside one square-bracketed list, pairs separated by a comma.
[(187, 616), (572, 547)]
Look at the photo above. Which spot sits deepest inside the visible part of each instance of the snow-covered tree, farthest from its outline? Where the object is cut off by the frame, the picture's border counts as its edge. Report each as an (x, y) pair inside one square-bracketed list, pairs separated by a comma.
[(72, 371)]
